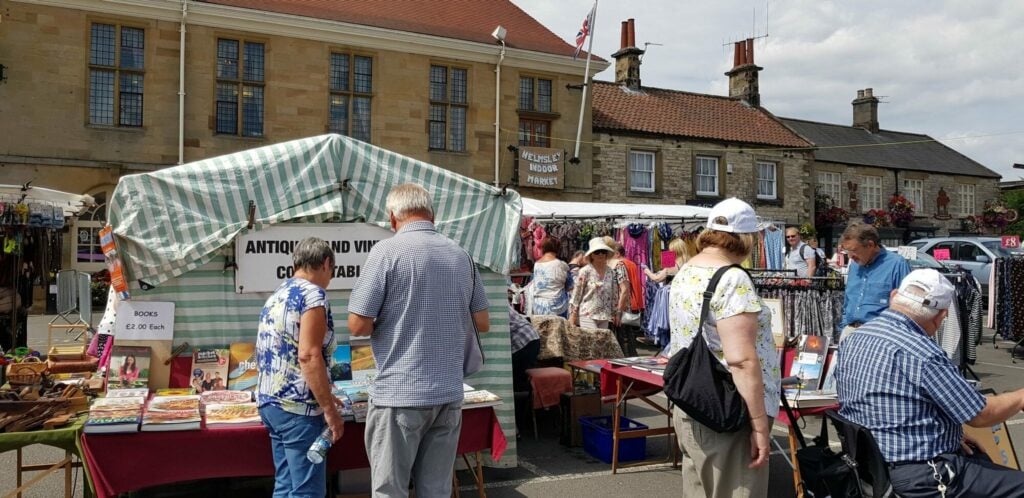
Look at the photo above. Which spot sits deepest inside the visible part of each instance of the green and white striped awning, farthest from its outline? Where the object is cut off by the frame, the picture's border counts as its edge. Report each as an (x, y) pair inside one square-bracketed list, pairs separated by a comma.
[(172, 221)]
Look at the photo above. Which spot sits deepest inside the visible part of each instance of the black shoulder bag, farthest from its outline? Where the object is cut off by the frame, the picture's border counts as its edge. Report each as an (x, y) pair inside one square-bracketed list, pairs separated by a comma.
[(699, 384)]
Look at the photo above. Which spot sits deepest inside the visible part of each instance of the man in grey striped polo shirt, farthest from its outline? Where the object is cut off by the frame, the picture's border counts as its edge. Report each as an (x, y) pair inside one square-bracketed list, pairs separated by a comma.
[(417, 297)]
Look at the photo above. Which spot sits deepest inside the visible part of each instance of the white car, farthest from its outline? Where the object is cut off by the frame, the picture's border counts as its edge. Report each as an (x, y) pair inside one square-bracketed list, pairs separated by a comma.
[(975, 254)]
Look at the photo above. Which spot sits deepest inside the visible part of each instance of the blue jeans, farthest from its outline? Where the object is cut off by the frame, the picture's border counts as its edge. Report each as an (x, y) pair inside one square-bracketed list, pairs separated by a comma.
[(291, 435)]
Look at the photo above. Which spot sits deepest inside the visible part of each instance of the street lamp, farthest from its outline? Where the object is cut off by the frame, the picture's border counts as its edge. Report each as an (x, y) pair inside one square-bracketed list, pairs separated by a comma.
[(499, 35)]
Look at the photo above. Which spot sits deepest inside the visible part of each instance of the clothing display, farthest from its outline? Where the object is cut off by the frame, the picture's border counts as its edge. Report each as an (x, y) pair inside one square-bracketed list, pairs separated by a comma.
[(1009, 300), (814, 309)]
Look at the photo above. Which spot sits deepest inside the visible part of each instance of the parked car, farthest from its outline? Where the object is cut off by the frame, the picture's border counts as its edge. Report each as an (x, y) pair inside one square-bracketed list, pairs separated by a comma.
[(923, 260), (975, 254)]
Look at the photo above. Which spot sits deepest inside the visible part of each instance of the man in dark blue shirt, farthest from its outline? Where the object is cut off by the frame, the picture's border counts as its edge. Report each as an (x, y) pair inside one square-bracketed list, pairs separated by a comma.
[(873, 274)]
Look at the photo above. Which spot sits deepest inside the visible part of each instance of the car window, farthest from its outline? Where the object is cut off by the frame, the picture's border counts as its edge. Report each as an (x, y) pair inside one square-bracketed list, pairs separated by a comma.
[(996, 246), (917, 244), (968, 251)]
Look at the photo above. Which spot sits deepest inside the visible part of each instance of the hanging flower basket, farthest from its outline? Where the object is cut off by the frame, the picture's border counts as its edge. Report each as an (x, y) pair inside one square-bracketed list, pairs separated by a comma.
[(901, 211)]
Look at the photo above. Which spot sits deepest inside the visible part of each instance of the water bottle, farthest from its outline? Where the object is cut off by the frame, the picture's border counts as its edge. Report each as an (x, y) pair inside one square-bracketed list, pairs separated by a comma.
[(318, 450)]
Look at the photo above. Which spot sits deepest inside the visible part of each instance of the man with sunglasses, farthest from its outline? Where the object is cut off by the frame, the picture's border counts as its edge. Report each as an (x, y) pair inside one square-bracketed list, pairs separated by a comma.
[(799, 256)]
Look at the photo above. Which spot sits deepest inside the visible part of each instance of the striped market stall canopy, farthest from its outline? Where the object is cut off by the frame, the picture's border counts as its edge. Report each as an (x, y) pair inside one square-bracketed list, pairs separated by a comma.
[(171, 221), (175, 230)]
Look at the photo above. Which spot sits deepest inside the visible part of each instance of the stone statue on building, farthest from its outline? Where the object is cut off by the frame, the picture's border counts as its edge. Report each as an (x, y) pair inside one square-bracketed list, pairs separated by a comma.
[(942, 205)]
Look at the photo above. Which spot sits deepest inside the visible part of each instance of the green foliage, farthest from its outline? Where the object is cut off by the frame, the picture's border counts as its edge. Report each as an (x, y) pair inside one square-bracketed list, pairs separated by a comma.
[(1014, 199)]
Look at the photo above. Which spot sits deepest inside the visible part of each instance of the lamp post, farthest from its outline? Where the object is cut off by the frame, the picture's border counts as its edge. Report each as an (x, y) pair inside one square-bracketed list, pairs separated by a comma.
[(499, 35)]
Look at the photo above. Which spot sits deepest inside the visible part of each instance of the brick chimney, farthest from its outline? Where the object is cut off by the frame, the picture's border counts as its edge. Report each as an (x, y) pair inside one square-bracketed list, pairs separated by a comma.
[(743, 75), (627, 59), (865, 110)]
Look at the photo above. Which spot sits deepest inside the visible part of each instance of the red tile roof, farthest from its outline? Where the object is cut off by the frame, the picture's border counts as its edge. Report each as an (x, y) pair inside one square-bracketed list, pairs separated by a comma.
[(684, 114), (471, 20)]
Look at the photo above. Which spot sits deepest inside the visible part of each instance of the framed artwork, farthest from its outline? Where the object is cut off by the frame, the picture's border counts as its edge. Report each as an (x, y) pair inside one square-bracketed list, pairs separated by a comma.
[(995, 441), (779, 332)]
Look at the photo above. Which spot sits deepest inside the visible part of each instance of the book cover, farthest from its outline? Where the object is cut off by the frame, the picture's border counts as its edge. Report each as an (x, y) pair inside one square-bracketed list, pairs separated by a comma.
[(114, 415), (364, 366), (359, 411), (480, 398), (341, 369), (232, 415), (226, 397), (828, 383), (356, 390), (242, 373), (172, 413), (209, 369), (129, 367), (809, 360), (175, 391), (141, 392)]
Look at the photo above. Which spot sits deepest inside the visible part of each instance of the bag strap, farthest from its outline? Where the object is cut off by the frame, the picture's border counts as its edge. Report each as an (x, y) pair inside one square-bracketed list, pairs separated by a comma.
[(710, 291), (476, 331)]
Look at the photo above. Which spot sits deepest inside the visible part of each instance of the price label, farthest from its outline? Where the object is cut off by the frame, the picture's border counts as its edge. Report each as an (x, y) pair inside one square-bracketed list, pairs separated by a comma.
[(941, 254), (1011, 241), (144, 320), (908, 252)]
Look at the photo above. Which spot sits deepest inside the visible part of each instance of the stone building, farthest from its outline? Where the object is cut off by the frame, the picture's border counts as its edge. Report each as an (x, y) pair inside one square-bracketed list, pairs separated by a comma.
[(663, 146), (860, 166), (97, 89)]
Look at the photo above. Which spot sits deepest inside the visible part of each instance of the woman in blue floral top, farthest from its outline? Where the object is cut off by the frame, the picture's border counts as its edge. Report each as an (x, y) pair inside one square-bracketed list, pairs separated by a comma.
[(550, 277), (294, 347), (738, 332)]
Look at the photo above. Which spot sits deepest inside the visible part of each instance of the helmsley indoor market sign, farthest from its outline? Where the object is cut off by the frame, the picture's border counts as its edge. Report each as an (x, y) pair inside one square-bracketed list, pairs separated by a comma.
[(541, 167)]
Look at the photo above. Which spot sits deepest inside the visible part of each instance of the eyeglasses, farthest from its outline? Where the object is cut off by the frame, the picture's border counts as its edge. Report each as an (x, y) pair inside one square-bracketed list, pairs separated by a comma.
[(792, 236)]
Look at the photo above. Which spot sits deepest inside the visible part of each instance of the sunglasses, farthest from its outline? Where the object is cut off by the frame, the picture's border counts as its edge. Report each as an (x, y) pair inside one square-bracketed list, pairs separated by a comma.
[(792, 236)]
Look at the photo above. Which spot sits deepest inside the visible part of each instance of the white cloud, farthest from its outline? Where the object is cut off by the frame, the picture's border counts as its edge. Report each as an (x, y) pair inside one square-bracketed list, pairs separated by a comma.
[(948, 68)]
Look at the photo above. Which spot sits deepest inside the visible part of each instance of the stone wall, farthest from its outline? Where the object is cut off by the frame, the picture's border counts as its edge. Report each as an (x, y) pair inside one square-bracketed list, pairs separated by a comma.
[(674, 173)]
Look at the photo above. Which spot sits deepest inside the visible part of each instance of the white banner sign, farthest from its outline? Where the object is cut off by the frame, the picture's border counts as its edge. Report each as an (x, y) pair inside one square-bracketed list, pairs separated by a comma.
[(144, 321), (265, 257), (908, 252)]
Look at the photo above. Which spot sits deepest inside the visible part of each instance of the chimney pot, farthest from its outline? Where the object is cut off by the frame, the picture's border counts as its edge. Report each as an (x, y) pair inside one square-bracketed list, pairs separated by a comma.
[(737, 55), (868, 92), (632, 33), (860, 94), (623, 36), (750, 50)]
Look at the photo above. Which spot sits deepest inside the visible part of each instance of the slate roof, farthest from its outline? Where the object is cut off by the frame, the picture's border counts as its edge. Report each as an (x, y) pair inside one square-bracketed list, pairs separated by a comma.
[(470, 20), (683, 114), (885, 149)]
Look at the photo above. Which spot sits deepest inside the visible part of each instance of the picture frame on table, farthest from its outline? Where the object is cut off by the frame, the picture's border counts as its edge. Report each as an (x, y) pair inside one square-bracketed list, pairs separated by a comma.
[(995, 441)]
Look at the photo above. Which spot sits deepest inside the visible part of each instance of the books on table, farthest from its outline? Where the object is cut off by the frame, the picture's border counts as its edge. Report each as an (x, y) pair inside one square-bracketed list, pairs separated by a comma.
[(809, 367), (117, 414), (172, 413), (209, 369), (242, 373), (478, 398), (225, 397), (232, 415), (364, 366), (129, 367), (653, 364), (341, 367)]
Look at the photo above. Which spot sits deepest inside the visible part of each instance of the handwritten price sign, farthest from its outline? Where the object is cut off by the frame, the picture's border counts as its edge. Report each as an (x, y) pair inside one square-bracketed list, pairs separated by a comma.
[(1011, 241)]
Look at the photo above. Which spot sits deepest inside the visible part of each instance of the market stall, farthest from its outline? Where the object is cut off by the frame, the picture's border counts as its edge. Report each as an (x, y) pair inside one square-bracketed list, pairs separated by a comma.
[(176, 232), (32, 220)]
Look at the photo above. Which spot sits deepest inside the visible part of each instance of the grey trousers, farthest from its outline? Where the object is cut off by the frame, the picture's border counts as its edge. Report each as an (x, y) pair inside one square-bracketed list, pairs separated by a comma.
[(715, 464), (412, 445)]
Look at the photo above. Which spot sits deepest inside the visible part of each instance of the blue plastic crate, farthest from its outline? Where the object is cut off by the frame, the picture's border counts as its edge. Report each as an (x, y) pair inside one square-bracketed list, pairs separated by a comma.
[(597, 439)]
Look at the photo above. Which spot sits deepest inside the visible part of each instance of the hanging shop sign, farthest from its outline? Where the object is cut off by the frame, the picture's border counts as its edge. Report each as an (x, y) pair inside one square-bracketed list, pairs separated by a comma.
[(264, 257), (144, 321), (541, 167)]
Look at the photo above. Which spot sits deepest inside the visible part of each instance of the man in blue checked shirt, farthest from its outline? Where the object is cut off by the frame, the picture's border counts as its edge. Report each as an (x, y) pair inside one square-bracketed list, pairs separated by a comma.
[(894, 380)]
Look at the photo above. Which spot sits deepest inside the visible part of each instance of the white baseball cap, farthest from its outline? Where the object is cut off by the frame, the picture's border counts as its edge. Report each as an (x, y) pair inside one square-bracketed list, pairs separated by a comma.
[(739, 217), (938, 292), (597, 244)]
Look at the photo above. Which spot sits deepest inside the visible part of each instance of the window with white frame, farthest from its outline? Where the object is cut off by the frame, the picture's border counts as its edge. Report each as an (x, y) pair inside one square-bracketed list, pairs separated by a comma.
[(641, 171), (767, 180), (967, 202), (707, 175), (913, 190), (830, 184), (871, 192)]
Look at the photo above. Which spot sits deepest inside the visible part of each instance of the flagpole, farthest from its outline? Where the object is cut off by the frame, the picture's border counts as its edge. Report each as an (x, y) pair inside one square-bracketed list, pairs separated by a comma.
[(586, 81)]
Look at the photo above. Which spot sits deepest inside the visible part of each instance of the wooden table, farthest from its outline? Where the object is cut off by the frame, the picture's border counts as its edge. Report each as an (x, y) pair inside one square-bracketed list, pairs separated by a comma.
[(631, 383)]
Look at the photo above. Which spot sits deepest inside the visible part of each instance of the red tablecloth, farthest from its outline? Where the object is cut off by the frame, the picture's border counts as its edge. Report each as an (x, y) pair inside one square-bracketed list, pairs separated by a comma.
[(119, 463)]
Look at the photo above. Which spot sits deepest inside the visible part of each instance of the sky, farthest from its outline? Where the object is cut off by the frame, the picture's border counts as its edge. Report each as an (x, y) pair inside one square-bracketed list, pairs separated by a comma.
[(950, 69)]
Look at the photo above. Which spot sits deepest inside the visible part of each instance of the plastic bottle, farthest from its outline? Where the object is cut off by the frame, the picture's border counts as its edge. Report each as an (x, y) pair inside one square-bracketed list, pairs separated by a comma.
[(318, 450)]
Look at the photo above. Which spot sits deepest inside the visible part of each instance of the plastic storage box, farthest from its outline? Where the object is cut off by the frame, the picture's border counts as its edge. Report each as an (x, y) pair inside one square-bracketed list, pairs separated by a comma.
[(597, 439)]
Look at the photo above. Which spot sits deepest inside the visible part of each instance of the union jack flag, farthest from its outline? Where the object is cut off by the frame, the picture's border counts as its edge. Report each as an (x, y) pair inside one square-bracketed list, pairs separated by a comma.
[(581, 35)]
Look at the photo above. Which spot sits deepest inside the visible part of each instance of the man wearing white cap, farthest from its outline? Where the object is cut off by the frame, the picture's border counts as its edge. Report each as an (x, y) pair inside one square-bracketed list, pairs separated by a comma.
[(894, 380)]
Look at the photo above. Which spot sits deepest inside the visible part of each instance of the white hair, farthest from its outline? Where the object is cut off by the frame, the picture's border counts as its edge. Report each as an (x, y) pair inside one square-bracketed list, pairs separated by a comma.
[(409, 198), (915, 310)]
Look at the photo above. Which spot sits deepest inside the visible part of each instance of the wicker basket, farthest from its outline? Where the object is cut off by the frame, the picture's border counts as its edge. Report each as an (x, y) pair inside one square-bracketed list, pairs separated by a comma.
[(27, 372)]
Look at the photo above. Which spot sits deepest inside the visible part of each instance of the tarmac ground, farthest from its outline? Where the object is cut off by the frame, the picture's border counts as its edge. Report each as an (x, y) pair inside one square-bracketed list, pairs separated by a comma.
[(546, 468)]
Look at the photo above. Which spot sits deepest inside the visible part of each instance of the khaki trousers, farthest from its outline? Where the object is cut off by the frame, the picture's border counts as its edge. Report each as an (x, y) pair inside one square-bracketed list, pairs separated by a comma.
[(715, 464)]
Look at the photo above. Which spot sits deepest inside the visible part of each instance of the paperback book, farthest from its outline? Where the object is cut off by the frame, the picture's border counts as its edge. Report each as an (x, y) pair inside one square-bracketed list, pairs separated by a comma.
[(341, 369), (172, 413), (479, 398), (128, 393), (225, 398), (175, 391), (809, 361), (129, 367), (114, 415), (364, 366), (242, 373), (232, 415), (209, 369)]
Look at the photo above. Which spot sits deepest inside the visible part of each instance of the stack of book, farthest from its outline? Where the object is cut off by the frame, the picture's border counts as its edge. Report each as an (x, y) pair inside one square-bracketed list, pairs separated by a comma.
[(225, 397), (115, 414), (354, 396), (816, 385), (172, 413), (653, 364), (232, 415)]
